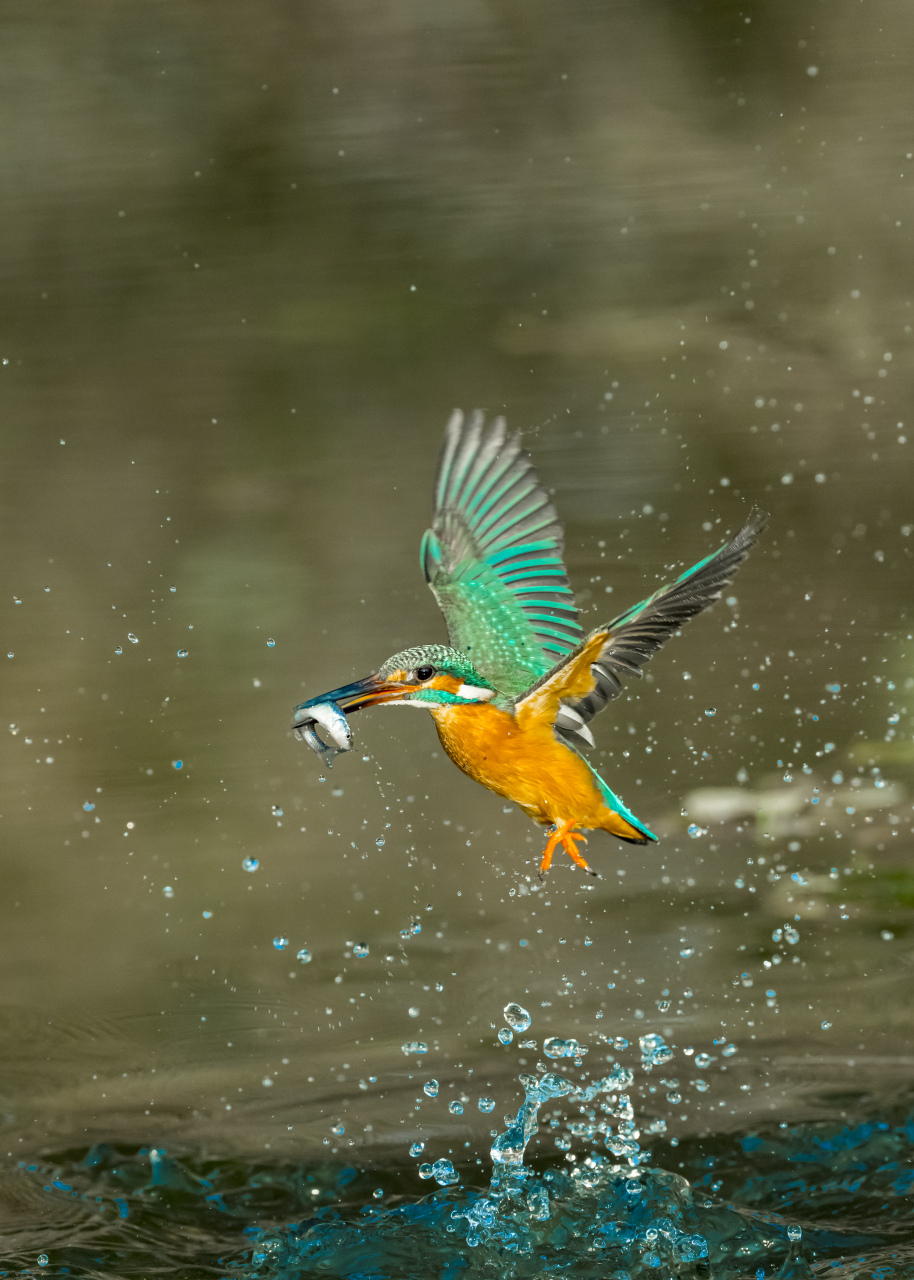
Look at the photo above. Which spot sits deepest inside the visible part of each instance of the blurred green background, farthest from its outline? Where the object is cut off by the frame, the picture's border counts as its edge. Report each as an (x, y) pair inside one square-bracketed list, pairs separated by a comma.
[(251, 258)]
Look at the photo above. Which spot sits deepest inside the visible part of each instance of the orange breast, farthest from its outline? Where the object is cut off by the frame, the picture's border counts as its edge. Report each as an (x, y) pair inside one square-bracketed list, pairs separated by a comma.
[(523, 761)]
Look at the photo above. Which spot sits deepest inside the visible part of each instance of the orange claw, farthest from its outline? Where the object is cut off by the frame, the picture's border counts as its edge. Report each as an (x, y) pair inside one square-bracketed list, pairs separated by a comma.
[(571, 849), (564, 835)]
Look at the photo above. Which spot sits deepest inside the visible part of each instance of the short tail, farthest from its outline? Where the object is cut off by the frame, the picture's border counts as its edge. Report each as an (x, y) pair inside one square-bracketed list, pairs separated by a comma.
[(625, 825)]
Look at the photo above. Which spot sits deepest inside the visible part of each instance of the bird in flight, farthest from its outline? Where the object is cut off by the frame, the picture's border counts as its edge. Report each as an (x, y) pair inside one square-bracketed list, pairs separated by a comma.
[(514, 692)]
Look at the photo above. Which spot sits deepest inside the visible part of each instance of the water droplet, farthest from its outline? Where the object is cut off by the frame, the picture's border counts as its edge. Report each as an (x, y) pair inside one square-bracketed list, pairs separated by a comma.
[(207, 915), (431, 1088), (304, 955), (360, 949), (270, 643), (791, 935), (280, 943), (168, 891), (444, 1173), (517, 1016), (339, 1128), (653, 1051), (267, 1082), (177, 764), (132, 638), (276, 811), (88, 806), (702, 1086), (455, 1108), (710, 711), (182, 653), (729, 1049), (417, 1148), (506, 1035), (413, 1011), (380, 842), (887, 935), (42, 1259), (486, 1105), (414, 1046), (794, 1233), (695, 830), (119, 649), (250, 864), (556, 1048), (703, 1061), (686, 952), (425, 1171), (172, 588), (826, 1026)]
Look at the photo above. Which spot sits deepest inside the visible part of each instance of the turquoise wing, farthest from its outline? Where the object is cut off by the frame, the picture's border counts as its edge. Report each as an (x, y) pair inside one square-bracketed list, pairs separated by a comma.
[(493, 557)]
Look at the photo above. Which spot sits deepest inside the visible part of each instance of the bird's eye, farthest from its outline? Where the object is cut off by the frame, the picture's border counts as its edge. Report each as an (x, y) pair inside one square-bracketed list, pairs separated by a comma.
[(424, 673)]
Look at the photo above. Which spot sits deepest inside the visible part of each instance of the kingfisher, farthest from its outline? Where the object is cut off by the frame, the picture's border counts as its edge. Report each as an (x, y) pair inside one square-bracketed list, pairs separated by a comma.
[(513, 693)]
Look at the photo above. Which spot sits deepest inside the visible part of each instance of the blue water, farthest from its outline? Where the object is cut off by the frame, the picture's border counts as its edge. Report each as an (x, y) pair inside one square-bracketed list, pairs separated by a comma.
[(792, 1201)]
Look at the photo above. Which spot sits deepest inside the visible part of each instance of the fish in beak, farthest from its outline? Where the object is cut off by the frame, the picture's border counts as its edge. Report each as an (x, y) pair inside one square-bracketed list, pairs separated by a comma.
[(328, 712)]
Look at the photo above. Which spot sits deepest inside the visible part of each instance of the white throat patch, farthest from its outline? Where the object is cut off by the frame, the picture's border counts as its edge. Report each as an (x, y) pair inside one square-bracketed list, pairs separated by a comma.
[(474, 694)]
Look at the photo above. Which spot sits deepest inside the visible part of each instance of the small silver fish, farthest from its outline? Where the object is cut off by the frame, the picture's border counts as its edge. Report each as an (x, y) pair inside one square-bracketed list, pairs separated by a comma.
[(332, 720)]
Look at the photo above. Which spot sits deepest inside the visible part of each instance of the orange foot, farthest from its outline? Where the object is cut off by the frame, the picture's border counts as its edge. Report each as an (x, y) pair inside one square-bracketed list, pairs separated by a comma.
[(563, 834)]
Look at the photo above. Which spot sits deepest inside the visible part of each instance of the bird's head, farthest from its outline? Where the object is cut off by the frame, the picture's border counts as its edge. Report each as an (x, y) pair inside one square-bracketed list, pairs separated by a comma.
[(428, 676)]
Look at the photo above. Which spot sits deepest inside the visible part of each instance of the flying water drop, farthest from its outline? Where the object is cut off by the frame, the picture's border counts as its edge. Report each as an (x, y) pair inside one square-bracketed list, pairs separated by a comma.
[(444, 1173), (517, 1017), (556, 1048)]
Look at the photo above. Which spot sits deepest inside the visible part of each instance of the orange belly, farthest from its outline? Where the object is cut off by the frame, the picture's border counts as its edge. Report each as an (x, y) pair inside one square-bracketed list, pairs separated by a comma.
[(526, 763)]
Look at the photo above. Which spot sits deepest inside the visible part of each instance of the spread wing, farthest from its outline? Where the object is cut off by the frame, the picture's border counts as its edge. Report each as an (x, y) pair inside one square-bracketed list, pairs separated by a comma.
[(493, 557), (581, 684)]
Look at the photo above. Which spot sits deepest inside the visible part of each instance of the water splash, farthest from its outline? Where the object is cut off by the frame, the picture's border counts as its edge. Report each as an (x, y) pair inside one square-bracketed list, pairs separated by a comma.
[(847, 1182)]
